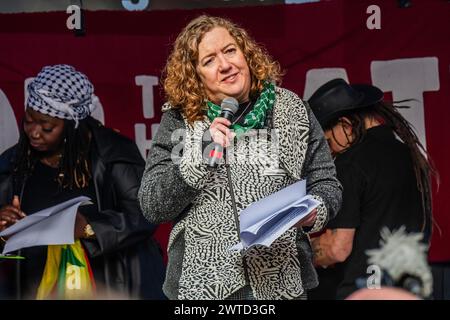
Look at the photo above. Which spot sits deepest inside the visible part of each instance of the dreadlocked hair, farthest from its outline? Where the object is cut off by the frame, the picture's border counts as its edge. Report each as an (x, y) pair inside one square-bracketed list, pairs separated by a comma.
[(74, 170), (387, 114)]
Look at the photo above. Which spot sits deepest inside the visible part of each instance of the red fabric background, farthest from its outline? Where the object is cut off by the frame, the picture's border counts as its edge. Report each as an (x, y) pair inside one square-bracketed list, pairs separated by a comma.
[(121, 45)]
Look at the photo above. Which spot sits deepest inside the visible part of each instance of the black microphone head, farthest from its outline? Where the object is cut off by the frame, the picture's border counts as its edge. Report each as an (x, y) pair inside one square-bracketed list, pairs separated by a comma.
[(229, 104)]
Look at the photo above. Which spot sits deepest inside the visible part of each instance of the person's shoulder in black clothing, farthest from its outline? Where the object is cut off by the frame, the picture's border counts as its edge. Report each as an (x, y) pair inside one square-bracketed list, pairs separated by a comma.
[(113, 146), (7, 159), (378, 142)]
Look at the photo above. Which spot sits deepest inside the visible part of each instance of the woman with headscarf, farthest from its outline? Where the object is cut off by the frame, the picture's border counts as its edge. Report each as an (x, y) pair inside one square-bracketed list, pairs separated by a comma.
[(213, 59), (64, 153)]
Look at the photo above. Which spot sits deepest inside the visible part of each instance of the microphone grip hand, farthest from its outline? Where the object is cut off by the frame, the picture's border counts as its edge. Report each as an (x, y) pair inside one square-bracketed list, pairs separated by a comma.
[(222, 137), (220, 132)]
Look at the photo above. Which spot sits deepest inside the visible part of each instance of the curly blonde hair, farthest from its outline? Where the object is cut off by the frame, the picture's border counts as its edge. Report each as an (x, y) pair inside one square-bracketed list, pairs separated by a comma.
[(183, 86)]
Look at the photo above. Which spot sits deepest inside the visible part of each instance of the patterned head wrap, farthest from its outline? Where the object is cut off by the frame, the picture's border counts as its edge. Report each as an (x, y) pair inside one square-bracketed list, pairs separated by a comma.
[(62, 92)]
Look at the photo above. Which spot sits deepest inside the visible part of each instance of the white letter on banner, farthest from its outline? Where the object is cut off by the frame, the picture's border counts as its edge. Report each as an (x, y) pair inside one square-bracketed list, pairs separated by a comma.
[(74, 21), (9, 131), (147, 83), (140, 133), (139, 6), (317, 77), (408, 79), (374, 20)]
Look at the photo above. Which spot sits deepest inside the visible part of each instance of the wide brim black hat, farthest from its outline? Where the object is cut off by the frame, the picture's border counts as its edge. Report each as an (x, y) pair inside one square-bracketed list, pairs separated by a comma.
[(337, 98)]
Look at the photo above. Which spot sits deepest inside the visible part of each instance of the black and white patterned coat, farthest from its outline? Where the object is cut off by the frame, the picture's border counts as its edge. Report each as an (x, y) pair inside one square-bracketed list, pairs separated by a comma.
[(178, 187)]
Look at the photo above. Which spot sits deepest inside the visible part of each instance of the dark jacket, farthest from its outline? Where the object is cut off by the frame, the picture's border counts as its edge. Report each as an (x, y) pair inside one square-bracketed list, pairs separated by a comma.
[(124, 256)]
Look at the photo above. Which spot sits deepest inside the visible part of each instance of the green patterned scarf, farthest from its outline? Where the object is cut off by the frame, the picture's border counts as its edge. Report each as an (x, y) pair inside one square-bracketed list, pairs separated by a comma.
[(254, 119)]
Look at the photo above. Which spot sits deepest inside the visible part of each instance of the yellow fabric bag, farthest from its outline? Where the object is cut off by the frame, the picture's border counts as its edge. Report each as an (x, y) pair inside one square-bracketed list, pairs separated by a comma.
[(67, 274)]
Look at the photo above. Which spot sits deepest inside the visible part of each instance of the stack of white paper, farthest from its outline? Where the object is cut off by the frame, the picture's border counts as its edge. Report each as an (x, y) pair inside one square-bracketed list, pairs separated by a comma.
[(54, 225), (264, 221)]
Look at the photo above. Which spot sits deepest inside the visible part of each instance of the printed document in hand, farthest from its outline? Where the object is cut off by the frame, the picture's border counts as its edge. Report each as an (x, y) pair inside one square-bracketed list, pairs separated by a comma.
[(262, 222), (54, 225)]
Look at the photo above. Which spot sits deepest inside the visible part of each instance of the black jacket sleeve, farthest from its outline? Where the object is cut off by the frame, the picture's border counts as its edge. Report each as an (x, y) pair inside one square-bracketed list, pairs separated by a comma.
[(117, 220)]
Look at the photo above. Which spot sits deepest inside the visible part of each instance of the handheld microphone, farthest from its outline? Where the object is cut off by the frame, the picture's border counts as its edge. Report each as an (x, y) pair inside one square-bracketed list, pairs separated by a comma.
[(229, 108)]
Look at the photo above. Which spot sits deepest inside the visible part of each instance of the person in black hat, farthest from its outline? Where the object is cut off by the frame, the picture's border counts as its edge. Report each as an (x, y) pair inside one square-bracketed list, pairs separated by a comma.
[(386, 181)]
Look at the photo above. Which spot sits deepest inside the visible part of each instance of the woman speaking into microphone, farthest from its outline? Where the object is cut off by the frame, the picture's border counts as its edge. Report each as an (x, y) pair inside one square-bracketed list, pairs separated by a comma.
[(214, 59)]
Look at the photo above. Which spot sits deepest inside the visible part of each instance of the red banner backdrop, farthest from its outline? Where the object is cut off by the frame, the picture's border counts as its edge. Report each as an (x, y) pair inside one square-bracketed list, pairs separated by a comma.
[(123, 54)]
